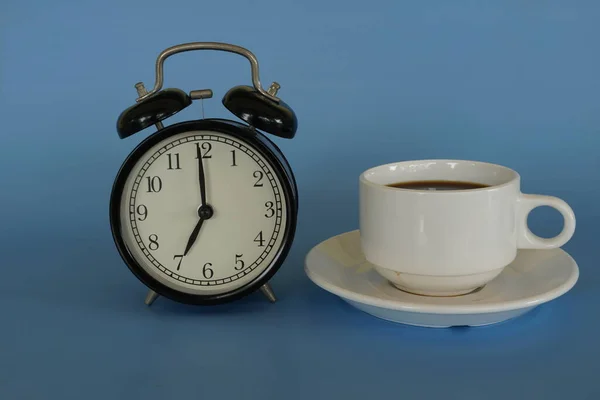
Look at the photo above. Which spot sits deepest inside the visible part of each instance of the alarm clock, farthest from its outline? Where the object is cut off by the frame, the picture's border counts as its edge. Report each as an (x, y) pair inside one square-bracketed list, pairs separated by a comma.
[(204, 211)]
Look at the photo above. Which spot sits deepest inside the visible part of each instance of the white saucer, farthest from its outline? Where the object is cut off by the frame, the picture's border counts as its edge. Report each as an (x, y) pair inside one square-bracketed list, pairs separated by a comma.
[(535, 277)]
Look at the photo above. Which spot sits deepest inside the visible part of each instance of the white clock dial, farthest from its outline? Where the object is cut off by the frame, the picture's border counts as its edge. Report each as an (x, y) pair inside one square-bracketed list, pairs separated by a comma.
[(159, 210)]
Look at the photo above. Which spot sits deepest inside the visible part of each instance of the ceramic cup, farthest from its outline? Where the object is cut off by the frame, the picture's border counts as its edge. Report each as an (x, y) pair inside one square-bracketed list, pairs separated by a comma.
[(450, 242)]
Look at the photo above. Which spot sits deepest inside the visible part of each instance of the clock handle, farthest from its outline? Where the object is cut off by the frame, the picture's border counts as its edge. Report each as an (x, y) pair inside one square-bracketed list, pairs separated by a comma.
[(207, 46)]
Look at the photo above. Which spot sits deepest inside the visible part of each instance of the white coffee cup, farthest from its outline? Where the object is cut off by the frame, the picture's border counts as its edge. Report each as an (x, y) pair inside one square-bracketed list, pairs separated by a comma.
[(449, 242)]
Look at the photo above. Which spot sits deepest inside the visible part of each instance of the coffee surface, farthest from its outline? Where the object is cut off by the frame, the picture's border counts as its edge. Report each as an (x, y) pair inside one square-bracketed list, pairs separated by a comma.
[(437, 185)]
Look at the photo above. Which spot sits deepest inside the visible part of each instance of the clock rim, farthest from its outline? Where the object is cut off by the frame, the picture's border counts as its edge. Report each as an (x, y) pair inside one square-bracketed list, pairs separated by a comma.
[(250, 137)]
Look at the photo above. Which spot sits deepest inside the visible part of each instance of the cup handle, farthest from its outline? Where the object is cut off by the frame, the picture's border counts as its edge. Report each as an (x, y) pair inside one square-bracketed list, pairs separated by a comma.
[(527, 239)]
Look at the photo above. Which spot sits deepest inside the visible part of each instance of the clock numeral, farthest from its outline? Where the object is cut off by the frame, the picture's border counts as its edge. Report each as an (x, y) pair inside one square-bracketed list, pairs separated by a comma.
[(270, 210), (259, 176), (259, 239), (207, 147), (154, 184), (207, 271), (142, 212), (239, 263), (180, 256), (153, 242), (233, 164), (174, 161)]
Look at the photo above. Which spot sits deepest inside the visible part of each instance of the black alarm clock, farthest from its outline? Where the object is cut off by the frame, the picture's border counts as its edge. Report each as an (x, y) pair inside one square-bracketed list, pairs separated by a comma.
[(204, 211)]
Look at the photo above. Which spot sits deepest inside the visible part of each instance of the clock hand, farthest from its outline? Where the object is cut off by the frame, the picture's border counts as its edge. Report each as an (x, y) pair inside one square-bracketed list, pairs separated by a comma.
[(204, 212), (193, 236), (201, 180)]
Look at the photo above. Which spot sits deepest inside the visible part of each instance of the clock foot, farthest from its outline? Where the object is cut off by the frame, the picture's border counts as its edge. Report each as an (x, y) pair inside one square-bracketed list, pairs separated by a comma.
[(268, 292), (150, 297)]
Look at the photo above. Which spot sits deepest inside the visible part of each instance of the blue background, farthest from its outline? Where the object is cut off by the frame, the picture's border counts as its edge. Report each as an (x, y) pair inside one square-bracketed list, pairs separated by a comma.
[(511, 82)]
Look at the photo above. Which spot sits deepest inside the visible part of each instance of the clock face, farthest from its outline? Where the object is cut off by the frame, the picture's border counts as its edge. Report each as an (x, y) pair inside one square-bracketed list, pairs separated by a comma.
[(244, 214)]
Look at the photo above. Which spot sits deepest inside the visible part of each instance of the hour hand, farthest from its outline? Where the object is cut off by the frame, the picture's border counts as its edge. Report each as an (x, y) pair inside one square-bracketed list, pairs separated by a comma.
[(204, 212), (193, 236)]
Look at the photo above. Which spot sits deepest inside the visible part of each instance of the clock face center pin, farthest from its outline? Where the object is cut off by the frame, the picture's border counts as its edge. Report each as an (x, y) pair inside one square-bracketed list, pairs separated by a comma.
[(205, 211)]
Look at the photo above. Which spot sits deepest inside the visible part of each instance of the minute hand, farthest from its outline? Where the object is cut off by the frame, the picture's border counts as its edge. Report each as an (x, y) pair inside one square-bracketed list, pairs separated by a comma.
[(201, 180)]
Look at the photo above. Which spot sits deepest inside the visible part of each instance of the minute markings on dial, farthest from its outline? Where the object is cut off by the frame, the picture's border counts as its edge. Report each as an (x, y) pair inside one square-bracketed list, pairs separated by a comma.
[(236, 262)]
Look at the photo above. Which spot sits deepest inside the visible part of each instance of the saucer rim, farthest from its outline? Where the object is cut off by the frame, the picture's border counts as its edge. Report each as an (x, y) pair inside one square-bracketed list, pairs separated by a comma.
[(417, 307)]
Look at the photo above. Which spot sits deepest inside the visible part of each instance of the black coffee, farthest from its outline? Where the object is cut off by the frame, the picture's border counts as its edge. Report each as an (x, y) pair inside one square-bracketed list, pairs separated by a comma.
[(437, 185)]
